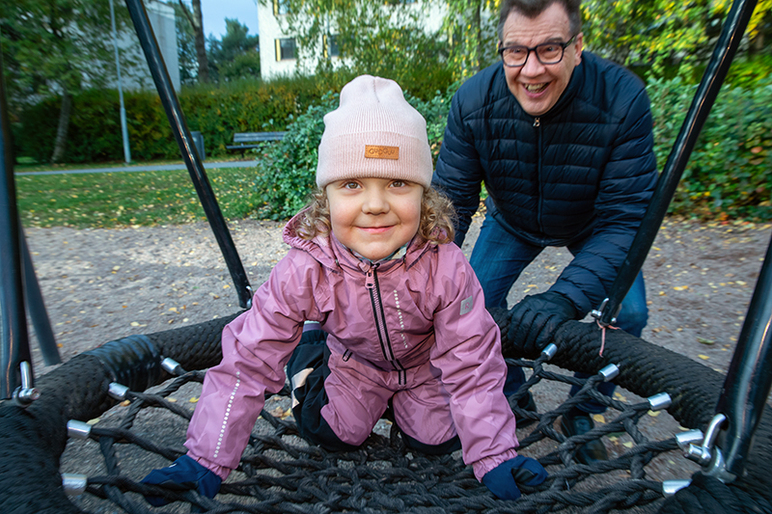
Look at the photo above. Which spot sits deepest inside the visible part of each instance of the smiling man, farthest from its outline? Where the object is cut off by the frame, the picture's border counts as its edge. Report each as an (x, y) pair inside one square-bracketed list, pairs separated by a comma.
[(562, 140)]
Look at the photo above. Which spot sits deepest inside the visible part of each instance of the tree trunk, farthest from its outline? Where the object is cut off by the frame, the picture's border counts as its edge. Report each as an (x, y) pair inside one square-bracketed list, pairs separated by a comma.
[(64, 123), (477, 27), (198, 31)]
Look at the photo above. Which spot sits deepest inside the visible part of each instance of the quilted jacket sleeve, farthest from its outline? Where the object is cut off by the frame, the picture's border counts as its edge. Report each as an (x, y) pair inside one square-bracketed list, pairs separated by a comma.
[(458, 173), (626, 187)]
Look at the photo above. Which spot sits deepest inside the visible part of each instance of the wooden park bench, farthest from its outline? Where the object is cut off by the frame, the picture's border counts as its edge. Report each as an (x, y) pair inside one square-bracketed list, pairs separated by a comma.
[(245, 140)]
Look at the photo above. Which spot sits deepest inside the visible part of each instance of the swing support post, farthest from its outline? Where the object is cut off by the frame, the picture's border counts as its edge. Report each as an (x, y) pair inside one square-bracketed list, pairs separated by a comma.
[(190, 154)]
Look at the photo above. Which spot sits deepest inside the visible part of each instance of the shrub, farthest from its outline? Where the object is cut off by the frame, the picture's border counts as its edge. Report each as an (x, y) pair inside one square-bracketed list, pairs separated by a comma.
[(728, 173), (94, 133), (289, 166)]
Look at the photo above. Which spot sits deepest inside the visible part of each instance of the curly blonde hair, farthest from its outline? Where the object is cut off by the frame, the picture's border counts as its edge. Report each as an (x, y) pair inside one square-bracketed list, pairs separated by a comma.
[(436, 226)]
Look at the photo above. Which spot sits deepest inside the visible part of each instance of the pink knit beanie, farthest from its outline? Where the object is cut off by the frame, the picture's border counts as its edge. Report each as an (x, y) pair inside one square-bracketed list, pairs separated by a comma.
[(374, 133)]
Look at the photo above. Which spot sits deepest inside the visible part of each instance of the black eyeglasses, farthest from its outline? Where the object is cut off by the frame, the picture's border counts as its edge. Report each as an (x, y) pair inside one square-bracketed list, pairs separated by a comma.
[(515, 56)]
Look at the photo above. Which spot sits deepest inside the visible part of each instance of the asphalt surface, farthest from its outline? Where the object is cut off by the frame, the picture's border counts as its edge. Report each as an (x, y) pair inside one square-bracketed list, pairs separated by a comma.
[(160, 167)]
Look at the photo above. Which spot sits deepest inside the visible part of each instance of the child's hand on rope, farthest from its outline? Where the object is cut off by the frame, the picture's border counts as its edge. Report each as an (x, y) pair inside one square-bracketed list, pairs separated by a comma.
[(535, 318), (503, 479), (184, 471)]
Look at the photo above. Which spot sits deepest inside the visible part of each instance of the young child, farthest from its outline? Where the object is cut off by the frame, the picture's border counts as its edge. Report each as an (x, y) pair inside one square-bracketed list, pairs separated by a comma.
[(373, 270)]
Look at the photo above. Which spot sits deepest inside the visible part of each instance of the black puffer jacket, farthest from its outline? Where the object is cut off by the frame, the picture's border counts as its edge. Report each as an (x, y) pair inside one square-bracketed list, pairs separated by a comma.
[(585, 168)]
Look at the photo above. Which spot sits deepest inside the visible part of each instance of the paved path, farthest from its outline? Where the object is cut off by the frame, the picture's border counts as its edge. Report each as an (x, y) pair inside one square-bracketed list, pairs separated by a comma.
[(161, 167)]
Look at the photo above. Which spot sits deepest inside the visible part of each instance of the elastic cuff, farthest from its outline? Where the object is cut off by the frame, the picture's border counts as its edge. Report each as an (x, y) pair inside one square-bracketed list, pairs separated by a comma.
[(308, 326), (482, 466), (220, 471)]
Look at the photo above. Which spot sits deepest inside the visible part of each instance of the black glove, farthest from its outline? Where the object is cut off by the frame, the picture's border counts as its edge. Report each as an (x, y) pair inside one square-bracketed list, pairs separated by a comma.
[(184, 471), (534, 320)]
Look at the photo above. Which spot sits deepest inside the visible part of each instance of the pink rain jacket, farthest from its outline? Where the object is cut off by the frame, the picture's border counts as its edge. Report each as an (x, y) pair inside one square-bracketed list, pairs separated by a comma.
[(413, 329)]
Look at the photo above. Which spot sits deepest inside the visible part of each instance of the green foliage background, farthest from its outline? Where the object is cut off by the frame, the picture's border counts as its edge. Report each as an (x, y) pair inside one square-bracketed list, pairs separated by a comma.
[(216, 111), (728, 174), (729, 171)]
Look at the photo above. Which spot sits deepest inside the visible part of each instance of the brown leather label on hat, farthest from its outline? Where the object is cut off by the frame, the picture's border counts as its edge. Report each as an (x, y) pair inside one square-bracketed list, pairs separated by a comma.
[(381, 152)]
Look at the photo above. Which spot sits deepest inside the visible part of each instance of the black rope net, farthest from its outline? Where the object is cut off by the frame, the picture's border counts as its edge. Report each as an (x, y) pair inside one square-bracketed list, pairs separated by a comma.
[(280, 472)]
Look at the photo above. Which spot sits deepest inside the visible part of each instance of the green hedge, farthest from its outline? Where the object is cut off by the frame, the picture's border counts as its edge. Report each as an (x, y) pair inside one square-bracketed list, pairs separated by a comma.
[(729, 173), (217, 112), (95, 133)]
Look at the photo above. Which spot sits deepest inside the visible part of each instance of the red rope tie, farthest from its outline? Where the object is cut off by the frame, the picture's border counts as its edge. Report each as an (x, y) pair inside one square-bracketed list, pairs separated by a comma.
[(603, 336)]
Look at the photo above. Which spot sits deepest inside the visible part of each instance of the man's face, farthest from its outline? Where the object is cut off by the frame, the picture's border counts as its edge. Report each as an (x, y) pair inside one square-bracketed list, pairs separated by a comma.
[(536, 86)]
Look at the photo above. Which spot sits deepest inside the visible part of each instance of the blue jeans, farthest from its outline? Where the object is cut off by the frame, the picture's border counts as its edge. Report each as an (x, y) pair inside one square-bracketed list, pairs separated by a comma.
[(498, 258)]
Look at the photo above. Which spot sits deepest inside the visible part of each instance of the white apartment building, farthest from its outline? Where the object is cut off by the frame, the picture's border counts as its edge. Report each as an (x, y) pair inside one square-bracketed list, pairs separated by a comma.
[(278, 48)]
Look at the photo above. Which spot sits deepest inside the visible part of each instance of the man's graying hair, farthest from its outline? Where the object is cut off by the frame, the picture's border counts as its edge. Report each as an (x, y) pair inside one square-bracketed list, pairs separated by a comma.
[(533, 8)]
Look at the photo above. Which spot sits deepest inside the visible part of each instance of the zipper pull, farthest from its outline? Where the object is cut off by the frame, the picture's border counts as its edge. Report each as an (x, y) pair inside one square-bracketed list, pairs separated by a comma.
[(369, 282), (370, 274), (537, 122)]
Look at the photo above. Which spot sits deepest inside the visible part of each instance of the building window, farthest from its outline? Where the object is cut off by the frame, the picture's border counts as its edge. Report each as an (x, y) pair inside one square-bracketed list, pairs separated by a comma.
[(285, 49), (331, 46), (280, 7)]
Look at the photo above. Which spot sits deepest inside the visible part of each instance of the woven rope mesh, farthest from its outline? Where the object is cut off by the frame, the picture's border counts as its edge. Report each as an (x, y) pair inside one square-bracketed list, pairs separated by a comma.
[(280, 472)]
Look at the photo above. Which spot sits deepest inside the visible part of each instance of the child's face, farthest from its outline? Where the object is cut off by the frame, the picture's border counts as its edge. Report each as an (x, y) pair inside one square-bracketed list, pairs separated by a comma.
[(374, 216)]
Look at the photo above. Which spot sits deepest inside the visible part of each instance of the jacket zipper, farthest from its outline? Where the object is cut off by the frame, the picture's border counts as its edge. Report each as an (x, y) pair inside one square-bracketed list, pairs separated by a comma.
[(537, 126), (371, 283)]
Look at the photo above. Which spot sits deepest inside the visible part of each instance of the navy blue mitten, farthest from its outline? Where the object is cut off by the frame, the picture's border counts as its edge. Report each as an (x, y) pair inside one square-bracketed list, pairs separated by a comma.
[(186, 472), (503, 479)]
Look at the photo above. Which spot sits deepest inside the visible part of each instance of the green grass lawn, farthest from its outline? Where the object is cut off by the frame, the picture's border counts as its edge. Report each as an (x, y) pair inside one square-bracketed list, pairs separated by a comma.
[(25, 165), (102, 200)]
